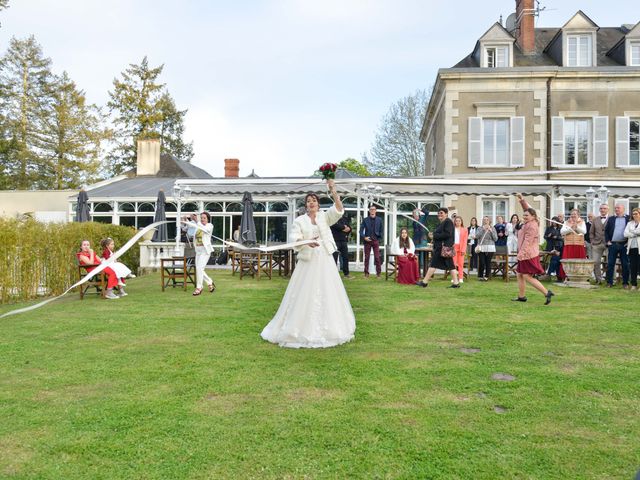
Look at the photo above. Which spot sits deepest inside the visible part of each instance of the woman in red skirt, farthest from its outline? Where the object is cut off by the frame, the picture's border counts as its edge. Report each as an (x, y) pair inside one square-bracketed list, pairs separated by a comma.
[(406, 260), (573, 232), (529, 254)]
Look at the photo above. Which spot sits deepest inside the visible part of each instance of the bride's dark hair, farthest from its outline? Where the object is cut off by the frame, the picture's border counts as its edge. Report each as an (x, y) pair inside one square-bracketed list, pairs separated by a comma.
[(311, 195)]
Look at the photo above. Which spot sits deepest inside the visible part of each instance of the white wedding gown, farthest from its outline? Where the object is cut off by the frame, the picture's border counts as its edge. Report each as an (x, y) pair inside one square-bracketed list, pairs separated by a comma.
[(315, 311)]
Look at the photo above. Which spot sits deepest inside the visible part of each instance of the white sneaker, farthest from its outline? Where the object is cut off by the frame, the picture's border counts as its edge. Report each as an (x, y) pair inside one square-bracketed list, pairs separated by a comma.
[(111, 296), (131, 275), (123, 293), (461, 281)]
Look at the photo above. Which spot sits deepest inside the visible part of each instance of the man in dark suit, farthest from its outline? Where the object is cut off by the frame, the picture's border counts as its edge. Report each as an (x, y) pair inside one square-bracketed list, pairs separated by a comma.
[(371, 234), (617, 244), (341, 230)]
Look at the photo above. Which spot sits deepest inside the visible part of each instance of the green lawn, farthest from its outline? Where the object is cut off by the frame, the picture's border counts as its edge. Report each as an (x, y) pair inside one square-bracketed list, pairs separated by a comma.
[(168, 386)]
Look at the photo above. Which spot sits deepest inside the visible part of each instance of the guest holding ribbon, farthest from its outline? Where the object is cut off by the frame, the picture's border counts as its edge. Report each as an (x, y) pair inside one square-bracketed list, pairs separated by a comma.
[(202, 241), (529, 254)]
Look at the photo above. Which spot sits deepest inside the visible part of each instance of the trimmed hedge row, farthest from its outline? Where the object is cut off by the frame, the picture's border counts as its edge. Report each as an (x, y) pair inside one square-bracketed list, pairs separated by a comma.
[(40, 258)]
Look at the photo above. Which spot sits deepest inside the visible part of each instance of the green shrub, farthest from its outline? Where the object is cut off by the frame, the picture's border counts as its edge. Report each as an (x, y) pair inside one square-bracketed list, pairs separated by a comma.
[(40, 258)]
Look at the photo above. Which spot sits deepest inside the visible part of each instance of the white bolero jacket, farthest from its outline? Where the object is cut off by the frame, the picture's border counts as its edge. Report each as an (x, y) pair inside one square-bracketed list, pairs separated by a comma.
[(396, 250), (302, 230)]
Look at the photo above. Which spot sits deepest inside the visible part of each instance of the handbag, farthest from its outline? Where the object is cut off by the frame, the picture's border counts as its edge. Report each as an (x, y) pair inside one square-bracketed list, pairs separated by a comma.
[(446, 252)]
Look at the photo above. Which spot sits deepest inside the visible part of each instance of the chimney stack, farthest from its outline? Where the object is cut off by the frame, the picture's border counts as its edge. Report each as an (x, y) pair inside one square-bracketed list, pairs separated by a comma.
[(231, 168), (148, 160), (525, 15)]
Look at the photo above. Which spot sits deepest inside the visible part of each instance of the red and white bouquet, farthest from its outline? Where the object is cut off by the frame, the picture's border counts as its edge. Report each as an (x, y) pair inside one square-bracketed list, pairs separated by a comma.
[(328, 170)]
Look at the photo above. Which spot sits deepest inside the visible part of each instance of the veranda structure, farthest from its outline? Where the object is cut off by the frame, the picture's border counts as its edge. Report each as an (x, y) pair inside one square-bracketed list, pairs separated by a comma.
[(131, 201)]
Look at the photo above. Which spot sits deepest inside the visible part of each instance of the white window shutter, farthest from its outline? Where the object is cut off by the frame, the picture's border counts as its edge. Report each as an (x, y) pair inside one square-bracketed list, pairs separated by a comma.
[(557, 142), (622, 142), (475, 141), (517, 141), (601, 141)]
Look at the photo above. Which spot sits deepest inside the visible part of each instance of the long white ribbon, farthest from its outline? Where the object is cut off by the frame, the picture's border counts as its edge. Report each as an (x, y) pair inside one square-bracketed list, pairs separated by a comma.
[(130, 243)]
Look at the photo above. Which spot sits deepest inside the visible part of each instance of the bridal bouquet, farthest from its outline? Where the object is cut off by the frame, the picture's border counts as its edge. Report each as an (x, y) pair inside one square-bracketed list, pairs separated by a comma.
[(328, 170)]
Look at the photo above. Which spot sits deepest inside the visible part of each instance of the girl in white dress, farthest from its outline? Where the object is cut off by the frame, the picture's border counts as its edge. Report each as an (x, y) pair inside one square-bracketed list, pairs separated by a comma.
[(315, 311)]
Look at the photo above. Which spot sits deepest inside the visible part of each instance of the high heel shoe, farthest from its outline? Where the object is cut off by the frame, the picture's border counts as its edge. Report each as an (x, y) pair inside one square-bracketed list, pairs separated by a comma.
[(519, 299), (212, 288), (197, 292)]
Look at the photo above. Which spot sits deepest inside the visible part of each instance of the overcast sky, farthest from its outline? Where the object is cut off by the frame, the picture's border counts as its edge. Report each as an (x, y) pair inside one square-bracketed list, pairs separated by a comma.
[(283, 85)]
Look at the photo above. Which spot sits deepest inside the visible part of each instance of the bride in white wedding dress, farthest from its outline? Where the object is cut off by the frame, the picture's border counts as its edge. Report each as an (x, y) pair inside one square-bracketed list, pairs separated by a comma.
[(315, 311)]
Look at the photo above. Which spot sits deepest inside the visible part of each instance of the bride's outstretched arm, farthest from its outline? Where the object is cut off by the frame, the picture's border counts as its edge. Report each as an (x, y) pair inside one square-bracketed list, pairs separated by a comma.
[(336, 197)]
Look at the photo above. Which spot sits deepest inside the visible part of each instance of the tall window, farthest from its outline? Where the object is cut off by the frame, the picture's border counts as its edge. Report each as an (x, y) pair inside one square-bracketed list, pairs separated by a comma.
[(627, 142), (493, 208), (496, 141), (497, 57), (634, 141), (581, 205), (579, 52), (635, 54), (577, 141)]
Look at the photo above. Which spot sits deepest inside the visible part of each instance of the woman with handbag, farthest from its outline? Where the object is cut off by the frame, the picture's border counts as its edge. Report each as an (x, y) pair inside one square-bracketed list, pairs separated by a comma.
[(442, 255), (486, 237)]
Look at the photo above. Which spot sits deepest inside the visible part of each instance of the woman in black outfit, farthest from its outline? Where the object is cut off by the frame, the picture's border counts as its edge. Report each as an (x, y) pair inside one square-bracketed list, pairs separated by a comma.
[(443, 235)]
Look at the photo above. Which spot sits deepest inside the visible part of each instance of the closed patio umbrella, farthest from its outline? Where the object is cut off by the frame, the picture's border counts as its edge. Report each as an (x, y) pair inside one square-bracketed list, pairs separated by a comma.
[(247, 225), (160, 235), (82, 208)]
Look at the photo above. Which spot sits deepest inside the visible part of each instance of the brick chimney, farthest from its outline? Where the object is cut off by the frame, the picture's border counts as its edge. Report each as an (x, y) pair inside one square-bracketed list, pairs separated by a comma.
[(525, 15), (148, 160), (231, 168)]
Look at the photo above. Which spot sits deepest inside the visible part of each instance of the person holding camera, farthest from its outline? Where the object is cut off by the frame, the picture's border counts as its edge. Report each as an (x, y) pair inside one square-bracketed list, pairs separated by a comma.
[(189, 231)]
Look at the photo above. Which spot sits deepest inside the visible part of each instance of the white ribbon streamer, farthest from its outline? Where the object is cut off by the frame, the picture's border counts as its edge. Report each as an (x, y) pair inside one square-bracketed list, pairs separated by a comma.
[(130, 243)]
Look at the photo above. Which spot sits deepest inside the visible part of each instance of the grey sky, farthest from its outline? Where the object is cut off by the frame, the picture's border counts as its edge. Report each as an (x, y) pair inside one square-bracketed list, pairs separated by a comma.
[(283, 85)]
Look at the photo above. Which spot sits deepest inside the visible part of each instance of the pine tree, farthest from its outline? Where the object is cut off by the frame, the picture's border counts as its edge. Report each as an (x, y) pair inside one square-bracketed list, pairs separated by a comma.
[(71, 138), (172, 129), (25, 87), (142, 108)]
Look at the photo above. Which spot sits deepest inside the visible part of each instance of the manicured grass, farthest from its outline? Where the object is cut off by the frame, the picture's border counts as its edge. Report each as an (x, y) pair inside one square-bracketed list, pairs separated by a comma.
[(166, 386)]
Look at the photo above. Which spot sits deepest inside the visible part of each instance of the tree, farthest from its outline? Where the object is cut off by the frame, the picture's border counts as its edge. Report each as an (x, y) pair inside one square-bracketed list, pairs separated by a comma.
[(142, 108), (172, 129), (25, 88), (72, 138), (354, 166), (397, 149)]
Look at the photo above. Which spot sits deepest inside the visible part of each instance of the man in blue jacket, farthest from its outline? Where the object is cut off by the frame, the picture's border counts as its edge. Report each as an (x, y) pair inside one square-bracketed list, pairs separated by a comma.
[(371, 234), (617, 245)]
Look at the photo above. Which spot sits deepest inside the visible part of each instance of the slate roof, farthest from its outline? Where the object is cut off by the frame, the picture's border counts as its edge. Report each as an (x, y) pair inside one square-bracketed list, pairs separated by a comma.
[(607, 38)]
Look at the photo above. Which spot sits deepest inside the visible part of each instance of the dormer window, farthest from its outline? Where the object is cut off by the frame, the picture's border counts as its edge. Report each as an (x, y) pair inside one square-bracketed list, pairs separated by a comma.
[(634, 54), (496, 56), (579, 50)]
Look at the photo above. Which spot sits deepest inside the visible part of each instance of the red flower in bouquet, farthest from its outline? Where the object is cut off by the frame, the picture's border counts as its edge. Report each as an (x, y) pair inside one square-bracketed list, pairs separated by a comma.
[(328, 170)]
